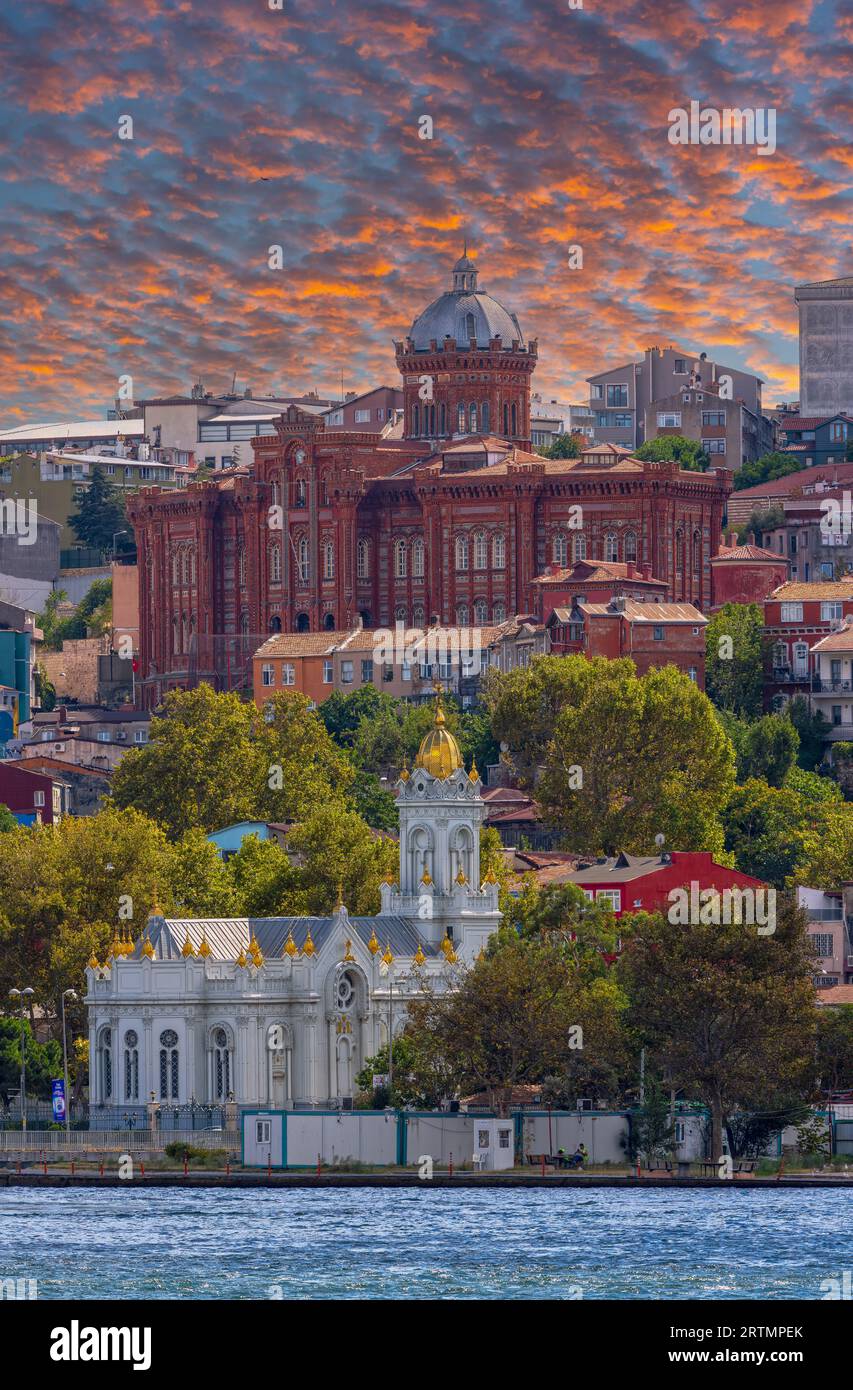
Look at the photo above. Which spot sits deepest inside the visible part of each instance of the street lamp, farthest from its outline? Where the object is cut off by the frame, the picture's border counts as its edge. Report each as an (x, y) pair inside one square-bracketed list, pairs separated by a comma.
[(116, 534), (22, 995), (71, 994)]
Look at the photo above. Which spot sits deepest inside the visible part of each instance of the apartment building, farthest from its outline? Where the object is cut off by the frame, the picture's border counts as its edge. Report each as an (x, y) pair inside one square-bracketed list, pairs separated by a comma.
[(371, 411), (619, 396), (826, 332), (797, 616), (727, 430), (651, 634)]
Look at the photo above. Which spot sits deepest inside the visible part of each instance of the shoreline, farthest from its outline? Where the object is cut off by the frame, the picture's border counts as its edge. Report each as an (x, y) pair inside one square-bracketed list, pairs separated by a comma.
[(304, 1179)]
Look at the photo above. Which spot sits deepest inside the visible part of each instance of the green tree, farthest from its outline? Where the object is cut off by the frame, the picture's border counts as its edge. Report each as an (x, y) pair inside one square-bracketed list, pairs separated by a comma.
[(45, 690), (764, 830), (374, 803), (266, 881), (524, 704), (734, 659), (634, 757), (342, 714), (419, 1077), (835, 1049), (718, 1006), (769, 749), (7, 820), (100, 513), (813, 729), (766, 469), (338, 852), (653, 1132), (44, 1061), (687, 453), (564, 446)]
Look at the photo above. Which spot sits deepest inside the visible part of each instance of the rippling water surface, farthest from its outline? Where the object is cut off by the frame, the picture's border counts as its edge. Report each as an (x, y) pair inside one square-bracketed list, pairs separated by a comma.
[(392, 1243)]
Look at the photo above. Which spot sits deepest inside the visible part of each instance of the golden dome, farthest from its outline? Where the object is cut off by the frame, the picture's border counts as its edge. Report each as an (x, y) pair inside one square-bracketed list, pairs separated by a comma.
[(309, 948), (373, 944), (204, 949), (388, 959), (439, 753), (290, 945)]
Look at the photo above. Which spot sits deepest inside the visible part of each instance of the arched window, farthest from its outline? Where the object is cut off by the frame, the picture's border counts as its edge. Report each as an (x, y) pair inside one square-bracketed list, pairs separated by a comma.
[(221, 1065), (400, 613), (559, 549), (301, 492), (443, 418), (418, 559), (275, 623), (185, 633), (780, 655), (461, 420), (304, 562), (362, 559), (697, 552), (176, 636), (499, 613), (472, 418), (275, 564), (514, 419), (679, 551), (579, 546), (481, 551), (630, 546), (506, 420), (328, 560), (131, 1065), (470, 330), (241, 567), (400, 559), (611, 547), (484, 417), (169, 1064), (105, 1063), (416, 420), (498, 552), (176, 559), (461, 553), (185, 567), (418, 615), (480, 611), (462, 615)]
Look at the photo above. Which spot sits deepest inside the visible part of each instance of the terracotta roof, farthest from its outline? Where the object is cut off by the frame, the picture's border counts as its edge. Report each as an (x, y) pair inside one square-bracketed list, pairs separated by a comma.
[(649, 612), (804, 422), (590, 572), (746, 552), (793, 482), (367, 639), (841, 641), (827, 589), (836, 994), (42, 764)]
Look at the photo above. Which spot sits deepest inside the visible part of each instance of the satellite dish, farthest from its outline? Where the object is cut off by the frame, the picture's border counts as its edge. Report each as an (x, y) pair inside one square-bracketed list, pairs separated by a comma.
[(660, 841)]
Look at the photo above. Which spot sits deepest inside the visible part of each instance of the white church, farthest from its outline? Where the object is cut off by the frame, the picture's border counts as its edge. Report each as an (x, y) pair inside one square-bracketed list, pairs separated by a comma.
[(282, 1012)]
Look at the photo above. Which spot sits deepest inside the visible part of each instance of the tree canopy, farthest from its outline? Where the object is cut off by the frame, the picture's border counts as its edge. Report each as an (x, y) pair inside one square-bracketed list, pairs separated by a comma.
[(687, 453)]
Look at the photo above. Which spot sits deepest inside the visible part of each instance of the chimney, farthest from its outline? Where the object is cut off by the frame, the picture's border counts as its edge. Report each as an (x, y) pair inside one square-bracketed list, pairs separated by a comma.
[(647, 571), (752, 539), (632, 570), (732, 538)]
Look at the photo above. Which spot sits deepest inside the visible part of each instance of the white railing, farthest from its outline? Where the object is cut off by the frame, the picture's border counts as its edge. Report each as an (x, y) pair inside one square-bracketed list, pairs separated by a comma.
[(53, 1142)]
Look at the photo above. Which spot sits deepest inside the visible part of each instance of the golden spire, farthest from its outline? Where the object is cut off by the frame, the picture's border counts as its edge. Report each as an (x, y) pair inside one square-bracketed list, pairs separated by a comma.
[(481, 954), (348, 955), (147, 948), (439, 753), (460, 877), (427, 877), (452, 957), (388, 959), (446, 945), (340, 901), (204, 949), (473, 775), (389, 878), (419, 957), (187, 949), (290, 946), (241, 959), (129, 944), (404, 773), (309, 949), (93, 962), (373, 944), (255, 952), (490, 877), (115, 945)]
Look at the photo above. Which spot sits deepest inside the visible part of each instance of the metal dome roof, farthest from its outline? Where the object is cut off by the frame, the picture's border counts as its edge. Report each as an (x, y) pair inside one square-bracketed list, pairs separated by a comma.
[(448, 316)]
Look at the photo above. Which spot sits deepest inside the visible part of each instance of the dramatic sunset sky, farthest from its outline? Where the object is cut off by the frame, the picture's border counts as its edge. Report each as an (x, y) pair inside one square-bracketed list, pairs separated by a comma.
[(299, 127)]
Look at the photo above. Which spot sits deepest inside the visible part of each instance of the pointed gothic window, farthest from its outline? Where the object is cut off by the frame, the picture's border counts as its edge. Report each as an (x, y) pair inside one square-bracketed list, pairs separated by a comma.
[(579, 546), (470, 327), (275, 564), (418, 559), (480, 611), (461, 553), (481, 551), (362, 561), (400, 559), (304, 562), (630, 546), (559, 549), (611, 547), (328, 560), (498, 552)]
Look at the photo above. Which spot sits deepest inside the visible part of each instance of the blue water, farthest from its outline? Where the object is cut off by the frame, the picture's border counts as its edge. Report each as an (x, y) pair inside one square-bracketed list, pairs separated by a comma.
[(391, 1243)]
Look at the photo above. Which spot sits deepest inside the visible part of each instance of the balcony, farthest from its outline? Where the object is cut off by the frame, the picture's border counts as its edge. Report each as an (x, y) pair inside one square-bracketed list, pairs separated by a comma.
[(783, 675), (829, 687)]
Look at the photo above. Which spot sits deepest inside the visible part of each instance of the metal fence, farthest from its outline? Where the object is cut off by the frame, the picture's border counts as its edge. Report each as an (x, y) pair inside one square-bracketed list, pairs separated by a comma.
[(35, 1144), (169, 1118)]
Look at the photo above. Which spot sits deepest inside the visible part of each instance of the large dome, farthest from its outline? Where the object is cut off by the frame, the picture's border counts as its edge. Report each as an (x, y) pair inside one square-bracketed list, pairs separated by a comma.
[(464, 313)]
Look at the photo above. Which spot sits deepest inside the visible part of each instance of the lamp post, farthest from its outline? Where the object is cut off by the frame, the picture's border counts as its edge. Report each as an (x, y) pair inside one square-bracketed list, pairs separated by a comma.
[(70, 994), (21, 995), (116, 534)]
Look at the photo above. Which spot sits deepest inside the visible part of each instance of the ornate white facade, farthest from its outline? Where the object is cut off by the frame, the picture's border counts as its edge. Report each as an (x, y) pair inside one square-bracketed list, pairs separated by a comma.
[(283, 1012)]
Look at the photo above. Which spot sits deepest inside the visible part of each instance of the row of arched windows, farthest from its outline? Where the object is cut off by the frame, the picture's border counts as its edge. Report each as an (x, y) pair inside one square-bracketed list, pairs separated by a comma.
[(474, 553), (560, 544), (183, 631), (462, 617), (168, 1065), (183, 565)]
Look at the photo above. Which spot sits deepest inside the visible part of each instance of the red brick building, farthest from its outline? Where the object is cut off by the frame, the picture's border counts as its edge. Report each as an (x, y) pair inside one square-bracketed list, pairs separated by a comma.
[(452, 521), (34, 798), (593, 581), (651, 634), (745, 573)]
